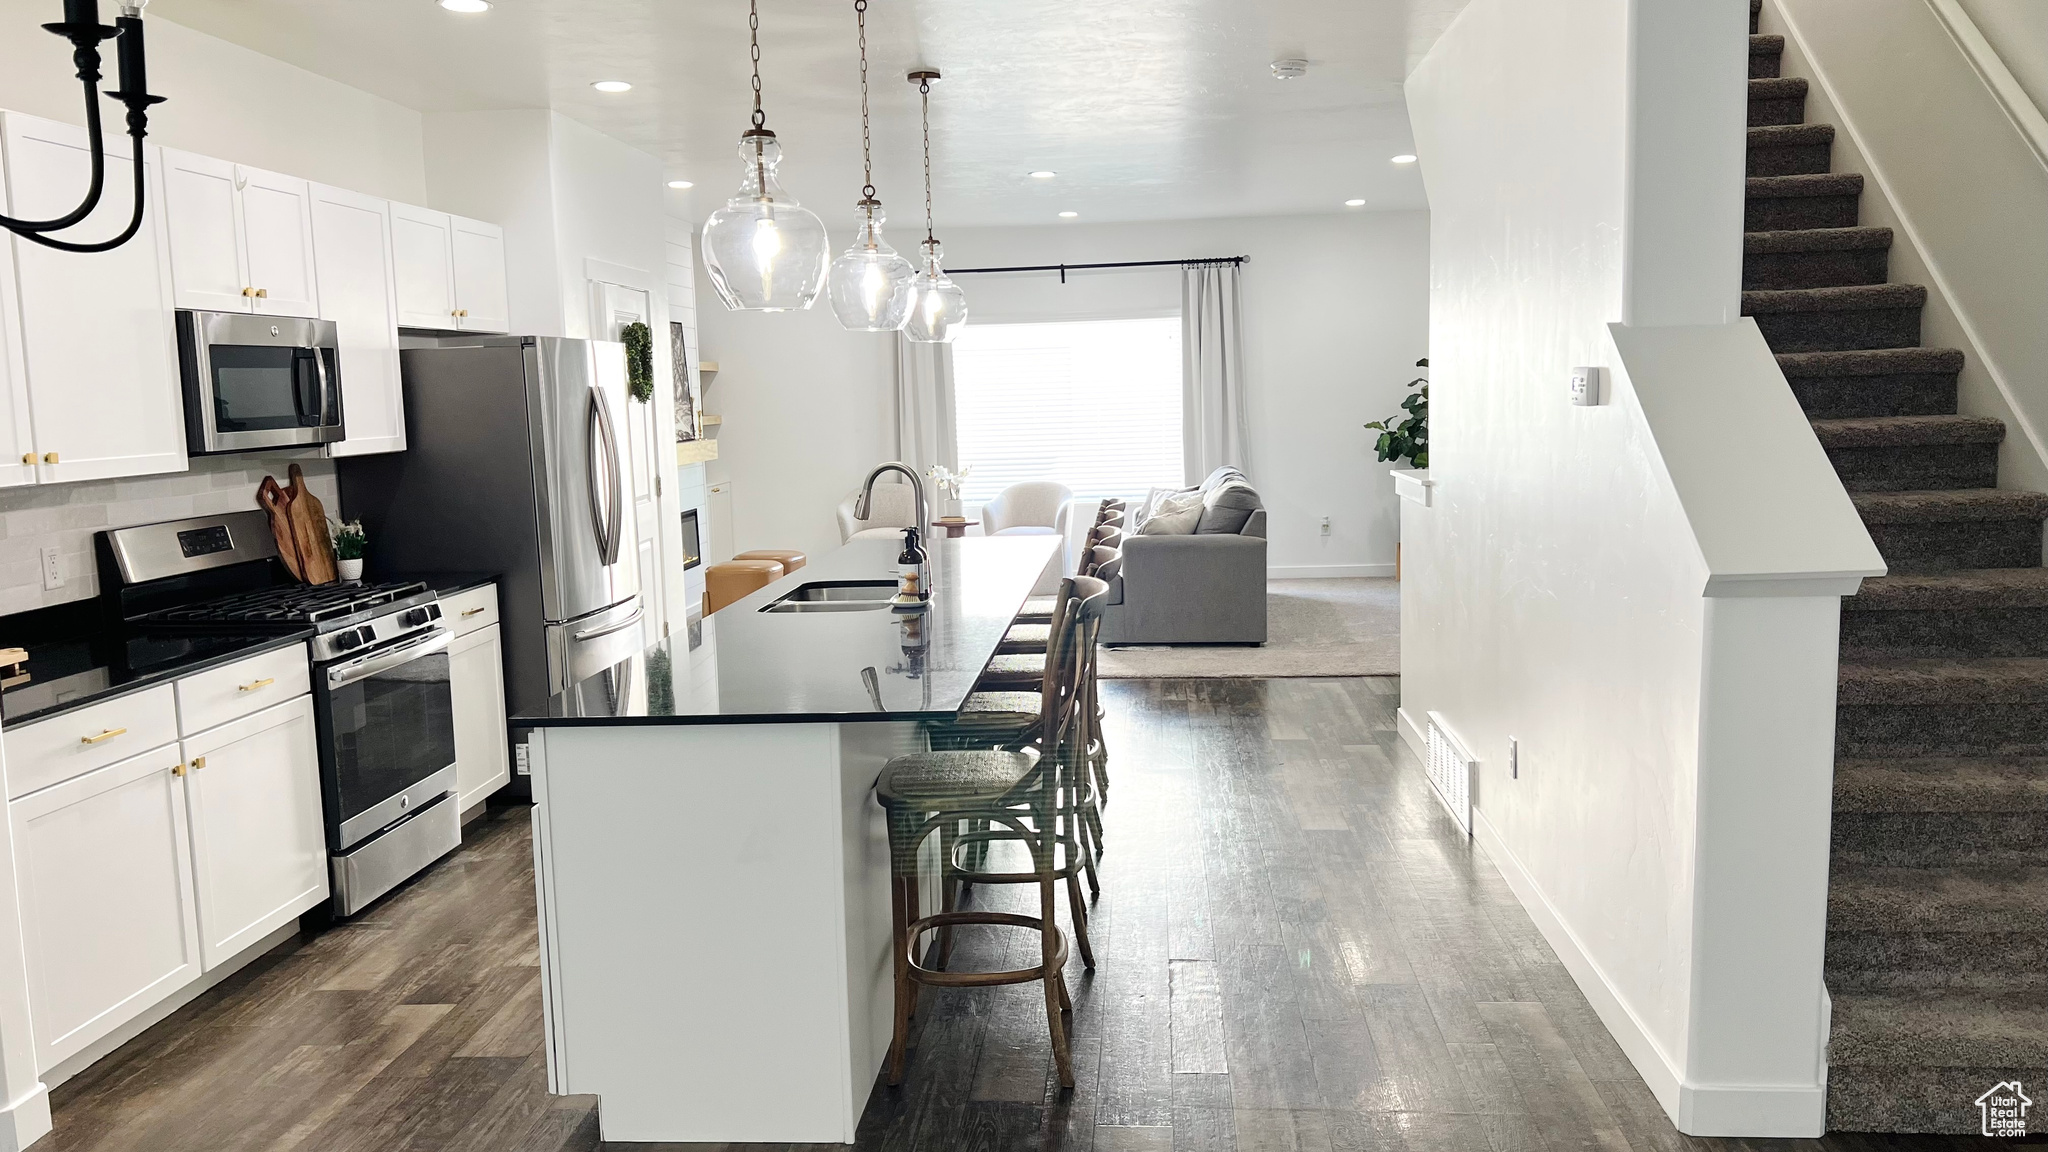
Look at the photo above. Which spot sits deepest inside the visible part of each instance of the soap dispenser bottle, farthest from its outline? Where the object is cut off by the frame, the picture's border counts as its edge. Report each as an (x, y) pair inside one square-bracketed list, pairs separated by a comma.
[(913, 587)]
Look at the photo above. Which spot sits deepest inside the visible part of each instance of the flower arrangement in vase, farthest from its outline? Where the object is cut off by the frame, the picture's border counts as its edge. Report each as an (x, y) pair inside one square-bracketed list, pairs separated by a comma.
[(949, 483)]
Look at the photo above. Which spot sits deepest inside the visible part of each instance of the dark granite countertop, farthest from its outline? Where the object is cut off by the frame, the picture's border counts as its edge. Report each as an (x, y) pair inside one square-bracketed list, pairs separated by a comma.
[(749, 666), (443, 583), (76, 657)]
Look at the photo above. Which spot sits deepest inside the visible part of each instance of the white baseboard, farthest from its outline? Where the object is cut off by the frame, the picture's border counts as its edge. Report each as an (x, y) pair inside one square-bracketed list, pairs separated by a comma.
[(1751, 1110), (27, 1120), (1414, 735), (1328, 571)]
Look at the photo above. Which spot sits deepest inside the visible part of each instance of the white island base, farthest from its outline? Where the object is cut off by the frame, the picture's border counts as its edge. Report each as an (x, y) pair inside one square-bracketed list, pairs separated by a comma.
[(714, 922)]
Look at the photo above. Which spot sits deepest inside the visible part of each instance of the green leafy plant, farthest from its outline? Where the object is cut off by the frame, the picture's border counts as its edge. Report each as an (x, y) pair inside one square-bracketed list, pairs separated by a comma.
[(350, 541), (639, 360), (1407, 439)]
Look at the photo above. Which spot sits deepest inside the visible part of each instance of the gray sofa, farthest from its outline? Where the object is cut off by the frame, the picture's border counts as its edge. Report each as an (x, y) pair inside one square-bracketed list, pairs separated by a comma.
[(1202, 587)]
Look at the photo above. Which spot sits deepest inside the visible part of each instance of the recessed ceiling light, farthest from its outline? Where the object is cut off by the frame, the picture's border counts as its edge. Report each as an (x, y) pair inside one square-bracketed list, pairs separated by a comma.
[(1405, 158), (679, 185), (1042, 174), (466, 5), (1068, 215), (612, 86), (1354, 203)]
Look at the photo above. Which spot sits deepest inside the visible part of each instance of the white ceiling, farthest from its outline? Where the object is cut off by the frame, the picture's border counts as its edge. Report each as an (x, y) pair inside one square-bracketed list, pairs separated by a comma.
[(1147, 109)]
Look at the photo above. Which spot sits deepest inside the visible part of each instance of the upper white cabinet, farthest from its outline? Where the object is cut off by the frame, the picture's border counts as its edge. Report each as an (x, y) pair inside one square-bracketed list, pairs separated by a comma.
[(353, 265), (103, 867), (241, 238), (98, 352), (17, 441), (450, 271)]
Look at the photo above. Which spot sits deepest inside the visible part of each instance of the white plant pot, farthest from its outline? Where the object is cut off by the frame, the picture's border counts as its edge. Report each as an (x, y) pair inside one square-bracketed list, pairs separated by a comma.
[(351, 569)]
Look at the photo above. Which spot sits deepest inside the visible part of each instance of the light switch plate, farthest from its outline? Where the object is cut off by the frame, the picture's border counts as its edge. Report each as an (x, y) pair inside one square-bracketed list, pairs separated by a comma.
[(1586, 386)]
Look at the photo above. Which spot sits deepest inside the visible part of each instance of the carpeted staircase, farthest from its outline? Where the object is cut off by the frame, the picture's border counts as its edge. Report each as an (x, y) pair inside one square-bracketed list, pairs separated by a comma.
[(1937, 945)]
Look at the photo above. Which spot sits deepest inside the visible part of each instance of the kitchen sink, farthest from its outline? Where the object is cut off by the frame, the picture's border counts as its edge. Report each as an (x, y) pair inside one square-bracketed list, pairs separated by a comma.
[(836, 596)]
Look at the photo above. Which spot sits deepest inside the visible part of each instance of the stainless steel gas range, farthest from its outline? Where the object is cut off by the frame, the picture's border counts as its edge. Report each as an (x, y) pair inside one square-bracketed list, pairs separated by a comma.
[(380, 680)]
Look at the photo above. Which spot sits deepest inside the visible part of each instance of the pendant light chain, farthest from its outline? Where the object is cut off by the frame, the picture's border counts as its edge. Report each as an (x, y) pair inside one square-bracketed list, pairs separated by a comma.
[(867, 160), (924, 90), (754, 37)]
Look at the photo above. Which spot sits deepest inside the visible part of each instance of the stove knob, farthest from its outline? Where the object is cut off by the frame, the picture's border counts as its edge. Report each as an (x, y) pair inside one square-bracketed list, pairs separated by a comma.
[(415, 617), (352, 638)]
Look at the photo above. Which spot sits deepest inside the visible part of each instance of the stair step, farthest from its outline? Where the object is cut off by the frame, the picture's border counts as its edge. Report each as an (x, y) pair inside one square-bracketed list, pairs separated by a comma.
[(1815, 258), (1941, 1028), (1904, 431), (1943, 784), (1987, 612), (1979, 901), (1911, 1098), (1902, 453), (1973, 506), (1913, 707), (1947, 531), (1804, 201), (1835, 319), (1765, 53), (1777, 101), (1917, 683), (1874, 382), (1791, 149)]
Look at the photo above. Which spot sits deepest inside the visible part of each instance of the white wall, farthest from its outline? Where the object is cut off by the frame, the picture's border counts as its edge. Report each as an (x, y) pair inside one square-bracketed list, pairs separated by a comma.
[(226, 101), (1650, 615), (1335, 315), (2018, 31)]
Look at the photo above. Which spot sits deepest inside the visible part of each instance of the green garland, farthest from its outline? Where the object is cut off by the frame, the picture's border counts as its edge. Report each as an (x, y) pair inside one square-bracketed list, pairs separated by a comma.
[(639, 360)]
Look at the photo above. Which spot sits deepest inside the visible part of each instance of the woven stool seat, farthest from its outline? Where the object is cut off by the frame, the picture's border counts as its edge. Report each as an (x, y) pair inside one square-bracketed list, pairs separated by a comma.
[(951, 779), (1025, 638)]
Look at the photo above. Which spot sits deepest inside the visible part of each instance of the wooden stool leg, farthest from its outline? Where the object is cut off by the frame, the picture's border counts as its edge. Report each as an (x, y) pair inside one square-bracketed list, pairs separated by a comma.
[(1048, 940), (1077, 910), (1066, 1001), (906, 991), (950, 889)]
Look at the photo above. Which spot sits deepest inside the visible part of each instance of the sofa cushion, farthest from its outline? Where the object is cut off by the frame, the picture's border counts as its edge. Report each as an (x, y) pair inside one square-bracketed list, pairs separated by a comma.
[(1151, 503), (1175, 515), (1226, 508)]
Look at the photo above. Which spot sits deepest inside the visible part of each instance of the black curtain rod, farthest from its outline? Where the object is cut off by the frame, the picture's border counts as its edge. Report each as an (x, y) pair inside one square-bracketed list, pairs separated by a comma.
[(1062, 269)]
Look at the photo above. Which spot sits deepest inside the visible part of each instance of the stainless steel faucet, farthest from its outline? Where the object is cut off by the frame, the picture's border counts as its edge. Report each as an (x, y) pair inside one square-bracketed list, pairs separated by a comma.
[(924, 510)]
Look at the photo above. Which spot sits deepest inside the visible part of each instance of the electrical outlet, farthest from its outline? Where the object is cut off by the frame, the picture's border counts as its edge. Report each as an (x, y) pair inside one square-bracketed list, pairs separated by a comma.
[(53, 572), (1326, 525), (1514, 758)]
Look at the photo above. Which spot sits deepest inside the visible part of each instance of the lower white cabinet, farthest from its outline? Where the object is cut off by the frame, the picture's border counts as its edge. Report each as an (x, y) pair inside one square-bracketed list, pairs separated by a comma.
[(103, 862), (476, 680), (259, 850)]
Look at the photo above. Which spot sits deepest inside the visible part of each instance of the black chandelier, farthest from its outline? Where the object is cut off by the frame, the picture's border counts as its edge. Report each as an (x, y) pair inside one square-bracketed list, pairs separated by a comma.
[(82, 27)]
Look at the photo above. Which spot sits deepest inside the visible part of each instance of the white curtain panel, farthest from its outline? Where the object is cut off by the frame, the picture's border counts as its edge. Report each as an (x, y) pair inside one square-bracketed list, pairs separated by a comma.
[(1215, 430), (924, 408)]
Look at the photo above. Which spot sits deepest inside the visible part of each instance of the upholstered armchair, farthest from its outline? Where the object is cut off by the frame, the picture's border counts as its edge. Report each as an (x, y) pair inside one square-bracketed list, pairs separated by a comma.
[(1034, 508), (894, 509)]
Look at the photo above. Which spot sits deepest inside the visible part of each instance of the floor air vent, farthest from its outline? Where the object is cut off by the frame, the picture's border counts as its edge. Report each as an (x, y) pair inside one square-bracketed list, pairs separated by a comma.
[(1451, 769)]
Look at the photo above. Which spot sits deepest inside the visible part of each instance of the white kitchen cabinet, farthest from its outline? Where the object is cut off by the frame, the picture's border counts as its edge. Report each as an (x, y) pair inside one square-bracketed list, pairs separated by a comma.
[(482, 301), (17, 443), (98, 352), (476, 681), (259, 850), (103, 870), (354, 269), (451, 271), (241, 239)]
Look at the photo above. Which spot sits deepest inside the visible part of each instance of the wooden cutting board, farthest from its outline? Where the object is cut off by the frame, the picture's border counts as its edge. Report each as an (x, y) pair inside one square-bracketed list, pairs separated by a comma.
[(309, 526), (299, 522), (278, 503)]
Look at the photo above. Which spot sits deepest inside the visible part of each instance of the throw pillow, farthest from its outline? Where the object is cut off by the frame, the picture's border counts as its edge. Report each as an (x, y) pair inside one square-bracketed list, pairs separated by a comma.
[(1176, 515), (1227, 507), (1151, 505)]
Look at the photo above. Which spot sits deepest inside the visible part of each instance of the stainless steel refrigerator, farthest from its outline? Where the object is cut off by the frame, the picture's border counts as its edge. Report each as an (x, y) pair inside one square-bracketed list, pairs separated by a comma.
[(514, 466)]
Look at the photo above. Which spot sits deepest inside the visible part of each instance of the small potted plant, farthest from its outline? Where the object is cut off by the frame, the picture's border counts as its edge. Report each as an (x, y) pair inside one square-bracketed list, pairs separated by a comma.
[(349, 545), (949, 483)]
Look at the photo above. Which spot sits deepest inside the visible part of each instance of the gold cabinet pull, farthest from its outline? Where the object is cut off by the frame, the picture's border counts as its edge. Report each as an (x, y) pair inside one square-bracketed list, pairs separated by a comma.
[(471, 612), (266, 682), (106, 735), (263, 293), (198, 762), (49, 457), (462, 311), (248, 291), (178, 769)]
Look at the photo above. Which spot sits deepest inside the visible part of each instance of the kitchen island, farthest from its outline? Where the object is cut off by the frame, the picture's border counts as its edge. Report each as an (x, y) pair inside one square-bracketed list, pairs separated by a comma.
[(711, 866)]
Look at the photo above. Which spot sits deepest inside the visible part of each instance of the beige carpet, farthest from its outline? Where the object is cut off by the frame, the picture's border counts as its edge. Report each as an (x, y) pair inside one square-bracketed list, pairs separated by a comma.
[(1313, 628)]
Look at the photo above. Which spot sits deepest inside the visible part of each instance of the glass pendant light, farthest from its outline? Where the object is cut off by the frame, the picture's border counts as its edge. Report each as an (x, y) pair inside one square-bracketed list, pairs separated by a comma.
[(870, 283), (937, 306), (763, 250)]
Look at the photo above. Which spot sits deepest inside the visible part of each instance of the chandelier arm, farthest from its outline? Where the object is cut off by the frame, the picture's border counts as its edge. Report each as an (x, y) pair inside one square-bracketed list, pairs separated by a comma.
[(134, 220), (86, 55)]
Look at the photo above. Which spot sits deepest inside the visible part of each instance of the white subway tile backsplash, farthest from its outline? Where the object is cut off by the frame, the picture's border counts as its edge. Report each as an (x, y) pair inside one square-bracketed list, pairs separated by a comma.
[(65, 516)]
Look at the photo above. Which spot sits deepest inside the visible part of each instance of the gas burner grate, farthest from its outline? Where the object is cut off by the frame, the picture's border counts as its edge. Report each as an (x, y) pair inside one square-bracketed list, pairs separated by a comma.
[(303, 604)]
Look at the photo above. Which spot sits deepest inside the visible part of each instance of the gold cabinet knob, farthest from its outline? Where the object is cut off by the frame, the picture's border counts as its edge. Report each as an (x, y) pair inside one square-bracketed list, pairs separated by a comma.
[(49, 457), (198, 762), (105, 735), (178, 769), (248, 292), (28, 457), (263, 293), (462, 311)]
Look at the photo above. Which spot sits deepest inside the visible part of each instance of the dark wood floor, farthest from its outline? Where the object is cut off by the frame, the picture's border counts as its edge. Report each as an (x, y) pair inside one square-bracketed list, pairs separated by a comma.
[(1297, 952)]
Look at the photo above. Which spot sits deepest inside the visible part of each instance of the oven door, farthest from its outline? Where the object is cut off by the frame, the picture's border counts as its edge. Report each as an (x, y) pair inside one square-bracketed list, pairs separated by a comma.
[(258, 381), (387, 734)]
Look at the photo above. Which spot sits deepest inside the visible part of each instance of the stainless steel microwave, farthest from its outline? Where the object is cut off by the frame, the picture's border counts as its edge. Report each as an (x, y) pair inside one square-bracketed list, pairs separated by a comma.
[(258, 381)]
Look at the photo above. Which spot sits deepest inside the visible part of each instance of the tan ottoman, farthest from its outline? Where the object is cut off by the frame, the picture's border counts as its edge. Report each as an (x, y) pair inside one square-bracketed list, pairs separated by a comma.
[(789, 558), (735, 579)]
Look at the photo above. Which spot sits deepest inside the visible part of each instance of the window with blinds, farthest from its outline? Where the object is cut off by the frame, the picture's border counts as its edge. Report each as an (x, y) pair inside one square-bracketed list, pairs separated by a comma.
[(1092, 404)]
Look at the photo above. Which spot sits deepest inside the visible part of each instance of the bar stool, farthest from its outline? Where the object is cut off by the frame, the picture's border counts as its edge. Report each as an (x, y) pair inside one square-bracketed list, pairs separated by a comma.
[(789, 558), (736, 579), (1038, 609), (1019, 790)]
